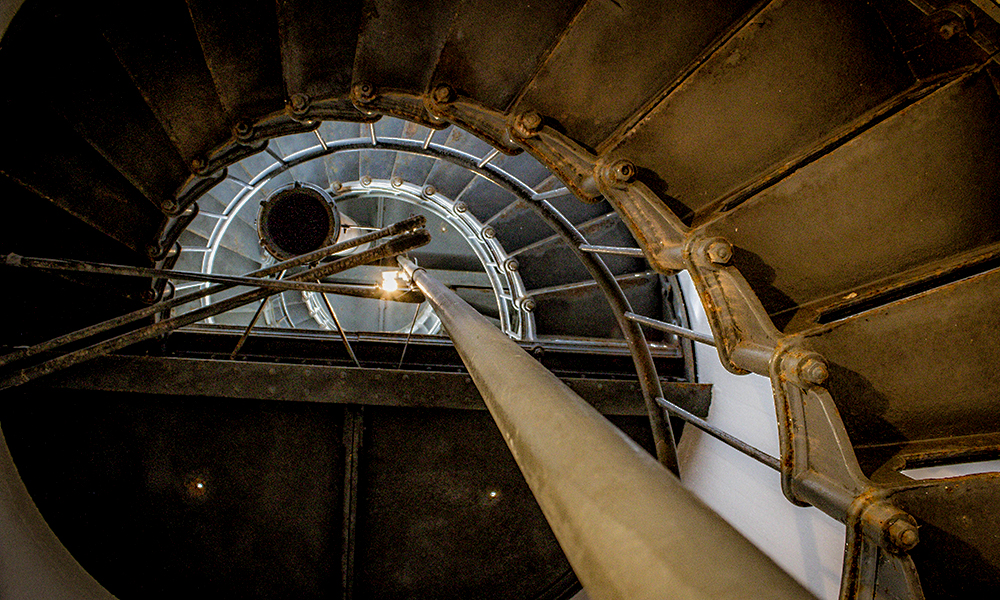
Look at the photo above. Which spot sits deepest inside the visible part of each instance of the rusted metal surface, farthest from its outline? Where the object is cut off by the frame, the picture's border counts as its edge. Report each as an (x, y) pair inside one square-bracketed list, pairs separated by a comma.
[(777, 86), (597, 78), (866, 220), (478, 62), (891, 396)]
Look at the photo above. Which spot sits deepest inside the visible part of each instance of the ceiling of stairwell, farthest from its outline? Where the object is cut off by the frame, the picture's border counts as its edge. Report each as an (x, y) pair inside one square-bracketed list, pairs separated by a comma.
[(487, 244)]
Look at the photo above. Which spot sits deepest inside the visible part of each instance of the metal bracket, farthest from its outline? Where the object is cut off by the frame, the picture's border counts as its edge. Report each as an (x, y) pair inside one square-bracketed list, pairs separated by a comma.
[(445, 104)]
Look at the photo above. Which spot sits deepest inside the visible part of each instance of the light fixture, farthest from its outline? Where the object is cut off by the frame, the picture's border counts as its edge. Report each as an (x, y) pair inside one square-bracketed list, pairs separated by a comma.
[(390, 281)]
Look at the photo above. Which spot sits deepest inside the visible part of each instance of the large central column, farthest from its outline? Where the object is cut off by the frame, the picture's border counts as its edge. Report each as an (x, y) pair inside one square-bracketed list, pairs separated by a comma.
[(628, 527)]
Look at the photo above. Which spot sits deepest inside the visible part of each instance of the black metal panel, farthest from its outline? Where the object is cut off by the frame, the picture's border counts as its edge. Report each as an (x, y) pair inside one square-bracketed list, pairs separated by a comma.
[(241, 47), (318, 39), (445, 513), (923, 368), (479, 59), (73, 176), (795, 74), (164, 59), (400, 41), (584, 312), (929, 47), (167, 498), (959, 551), (913, 190), (601, 74)]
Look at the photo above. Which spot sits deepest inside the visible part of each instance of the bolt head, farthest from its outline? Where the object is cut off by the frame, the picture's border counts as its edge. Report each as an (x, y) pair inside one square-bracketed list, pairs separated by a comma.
[(397, 181), (512, 265), (198, 165), (430, 190), (443, 94), (336, 186), (489, 233), (168, 205), (366, 180), (720, 252), (148, 296), (242, 128), (904, 535), (363, 91), (814, 371), (951, 28), (529, 123), (461, 207), (299, 102), (622, 171), (528, 304)]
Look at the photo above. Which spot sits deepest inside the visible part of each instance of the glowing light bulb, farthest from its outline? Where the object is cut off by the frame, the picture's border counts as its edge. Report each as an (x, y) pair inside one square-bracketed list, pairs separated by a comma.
[(389, 281)]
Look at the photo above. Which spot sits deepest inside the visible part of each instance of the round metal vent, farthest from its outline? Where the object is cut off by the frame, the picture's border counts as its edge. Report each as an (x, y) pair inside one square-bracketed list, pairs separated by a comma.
[(297, 219)]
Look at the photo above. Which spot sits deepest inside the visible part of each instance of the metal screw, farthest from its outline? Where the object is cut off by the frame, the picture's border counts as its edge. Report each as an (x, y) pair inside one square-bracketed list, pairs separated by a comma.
[(489, 233), (430, 191), (461, 207), (813, 371), (168, 205), (148, 296), (720, 252), (622, 171), (336, 186), (152, 250), (299, 102), (951, 28), (396, 181), (443, 94), (528, 304), (511, 265), (242, 129), (198, 165), (364, 92), (903, 534), (366, 180), (529, 123)]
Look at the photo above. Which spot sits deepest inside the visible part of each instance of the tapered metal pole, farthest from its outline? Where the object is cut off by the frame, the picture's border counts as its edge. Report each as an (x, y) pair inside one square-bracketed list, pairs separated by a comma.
[(628, 526)]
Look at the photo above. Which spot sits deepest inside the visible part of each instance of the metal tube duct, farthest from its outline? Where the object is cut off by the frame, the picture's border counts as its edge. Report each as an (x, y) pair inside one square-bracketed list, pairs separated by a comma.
[(628, 527)]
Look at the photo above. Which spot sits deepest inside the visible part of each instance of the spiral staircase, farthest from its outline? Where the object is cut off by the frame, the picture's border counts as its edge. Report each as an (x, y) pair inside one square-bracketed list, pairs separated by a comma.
[(824, 171)]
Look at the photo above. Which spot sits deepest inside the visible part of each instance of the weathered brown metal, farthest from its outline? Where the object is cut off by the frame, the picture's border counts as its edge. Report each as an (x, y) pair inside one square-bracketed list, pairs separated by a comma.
[(644, 536)]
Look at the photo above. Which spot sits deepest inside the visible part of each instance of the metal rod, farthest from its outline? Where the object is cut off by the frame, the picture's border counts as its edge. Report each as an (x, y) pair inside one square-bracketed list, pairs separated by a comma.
[(393, 247), (628, 527), (550, 194), (582, 285), (319, 137), (142, 313), (51, 264), (371, 132), (671, 328), (246, 332), (738, 444), (615, 250), (416, 311), (340, 329), (489, 157)]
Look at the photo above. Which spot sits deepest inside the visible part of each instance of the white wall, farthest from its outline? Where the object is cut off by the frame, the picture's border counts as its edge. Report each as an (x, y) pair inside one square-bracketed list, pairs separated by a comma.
[(805, 542)]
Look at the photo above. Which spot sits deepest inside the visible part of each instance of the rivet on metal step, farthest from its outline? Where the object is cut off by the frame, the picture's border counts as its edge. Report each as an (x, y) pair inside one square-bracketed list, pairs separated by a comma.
[(528, 124), (363, 92), (443, 94), (430, 190)]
